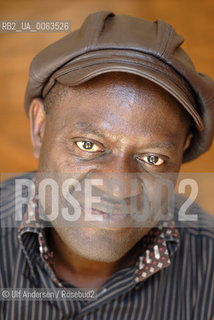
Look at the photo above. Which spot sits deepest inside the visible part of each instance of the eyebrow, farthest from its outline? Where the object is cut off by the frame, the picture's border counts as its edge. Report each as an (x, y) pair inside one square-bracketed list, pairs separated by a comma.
[(162, 144), (89, 128)]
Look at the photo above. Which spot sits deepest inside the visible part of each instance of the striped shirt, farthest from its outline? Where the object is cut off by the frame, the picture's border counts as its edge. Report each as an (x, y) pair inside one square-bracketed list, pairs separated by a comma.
[(175, 282)]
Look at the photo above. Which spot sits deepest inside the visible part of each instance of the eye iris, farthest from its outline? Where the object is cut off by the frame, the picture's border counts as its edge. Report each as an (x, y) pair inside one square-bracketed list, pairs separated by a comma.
[(87, 145), (153, 159)]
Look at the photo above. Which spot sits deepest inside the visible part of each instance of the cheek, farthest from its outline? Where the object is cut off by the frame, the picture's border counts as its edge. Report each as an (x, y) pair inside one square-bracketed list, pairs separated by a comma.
[(54, 157), (158, 191)]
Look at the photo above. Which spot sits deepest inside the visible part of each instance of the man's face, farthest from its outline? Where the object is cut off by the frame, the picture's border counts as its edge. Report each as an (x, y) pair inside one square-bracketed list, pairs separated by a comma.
[(118, 128)]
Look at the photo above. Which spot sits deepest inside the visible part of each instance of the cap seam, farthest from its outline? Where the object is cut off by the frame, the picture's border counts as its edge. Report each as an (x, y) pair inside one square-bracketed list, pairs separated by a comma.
[(93, 35), (170, 33), (164, 42)]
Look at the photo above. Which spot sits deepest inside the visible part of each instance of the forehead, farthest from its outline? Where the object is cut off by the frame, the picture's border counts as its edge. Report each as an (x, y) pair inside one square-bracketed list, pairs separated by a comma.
[(103, 94)]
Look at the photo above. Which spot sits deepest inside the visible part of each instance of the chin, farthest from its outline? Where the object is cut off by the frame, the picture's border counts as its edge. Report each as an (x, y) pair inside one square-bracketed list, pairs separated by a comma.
[(98, 254), (103, 246)]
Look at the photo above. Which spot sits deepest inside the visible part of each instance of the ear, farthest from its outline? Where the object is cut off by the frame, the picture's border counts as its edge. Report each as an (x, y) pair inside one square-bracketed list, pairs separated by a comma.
[(188, 140), (37, 124)]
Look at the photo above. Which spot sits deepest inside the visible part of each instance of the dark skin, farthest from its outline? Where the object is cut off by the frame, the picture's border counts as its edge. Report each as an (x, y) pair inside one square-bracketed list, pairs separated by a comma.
[(115, 123)]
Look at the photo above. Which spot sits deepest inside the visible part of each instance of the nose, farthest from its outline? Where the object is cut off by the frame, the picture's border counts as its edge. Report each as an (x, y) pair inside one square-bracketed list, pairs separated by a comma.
[(119, 177)]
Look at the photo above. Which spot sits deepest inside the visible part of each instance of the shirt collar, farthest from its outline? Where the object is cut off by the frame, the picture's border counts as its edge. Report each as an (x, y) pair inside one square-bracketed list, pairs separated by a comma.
[(158, 246)]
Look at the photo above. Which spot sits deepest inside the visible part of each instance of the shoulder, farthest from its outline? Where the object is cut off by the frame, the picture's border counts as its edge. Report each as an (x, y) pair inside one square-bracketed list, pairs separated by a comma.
[(196, 228), (9, 244), (10, 195), (12, 206)]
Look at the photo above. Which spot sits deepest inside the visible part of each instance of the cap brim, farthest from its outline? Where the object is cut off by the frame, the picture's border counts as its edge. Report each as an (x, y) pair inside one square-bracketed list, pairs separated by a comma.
[(92, 64)]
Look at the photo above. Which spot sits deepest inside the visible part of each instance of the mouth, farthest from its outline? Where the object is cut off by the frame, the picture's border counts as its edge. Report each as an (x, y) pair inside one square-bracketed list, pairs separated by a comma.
[(111, 215), (108, 220)]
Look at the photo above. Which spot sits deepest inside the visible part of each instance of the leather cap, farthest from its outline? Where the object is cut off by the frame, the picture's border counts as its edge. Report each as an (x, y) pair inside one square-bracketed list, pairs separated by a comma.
[(107, 43)]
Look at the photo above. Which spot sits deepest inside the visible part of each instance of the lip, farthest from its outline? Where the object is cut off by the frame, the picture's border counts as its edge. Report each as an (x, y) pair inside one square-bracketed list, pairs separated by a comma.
[(111, 221), (109, 209), (110, 216)]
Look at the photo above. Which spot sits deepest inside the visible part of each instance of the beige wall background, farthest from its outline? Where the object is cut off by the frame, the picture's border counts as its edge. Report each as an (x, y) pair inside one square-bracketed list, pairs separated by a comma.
[(193, 19)]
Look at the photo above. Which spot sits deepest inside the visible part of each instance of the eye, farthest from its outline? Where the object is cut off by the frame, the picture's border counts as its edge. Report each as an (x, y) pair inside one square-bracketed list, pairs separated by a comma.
[(152, 160), (88, 146)]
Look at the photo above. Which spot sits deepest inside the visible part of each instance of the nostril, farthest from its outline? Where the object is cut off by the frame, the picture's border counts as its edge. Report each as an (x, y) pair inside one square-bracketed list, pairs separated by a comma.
[(119, 186)]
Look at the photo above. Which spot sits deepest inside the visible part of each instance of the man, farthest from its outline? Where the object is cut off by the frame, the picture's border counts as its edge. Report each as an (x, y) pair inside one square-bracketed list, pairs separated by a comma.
[(115, 108)]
